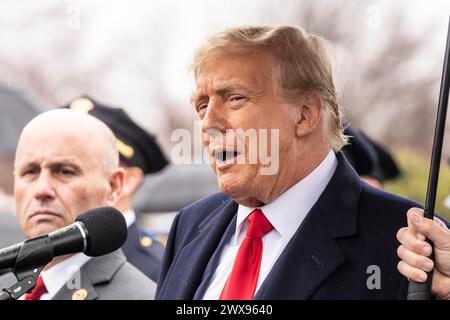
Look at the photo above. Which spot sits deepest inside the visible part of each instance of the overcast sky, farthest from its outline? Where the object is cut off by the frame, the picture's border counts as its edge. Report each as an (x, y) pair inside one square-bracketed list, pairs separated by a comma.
[(153, 41)]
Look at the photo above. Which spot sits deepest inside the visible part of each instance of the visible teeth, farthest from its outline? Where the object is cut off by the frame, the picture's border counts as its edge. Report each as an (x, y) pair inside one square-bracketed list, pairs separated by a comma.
[(223, 156), (229, 155)]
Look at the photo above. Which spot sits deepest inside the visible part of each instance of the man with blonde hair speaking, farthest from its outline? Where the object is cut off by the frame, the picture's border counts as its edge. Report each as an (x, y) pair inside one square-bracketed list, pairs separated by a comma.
[(311, 229)]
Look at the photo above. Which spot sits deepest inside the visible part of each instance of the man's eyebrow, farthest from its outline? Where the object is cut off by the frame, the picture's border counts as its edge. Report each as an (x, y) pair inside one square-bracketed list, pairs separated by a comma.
[(65, 163), (53, 164), (28, 164), (61, 163), (225, 88), (197, 96), (220, 89)]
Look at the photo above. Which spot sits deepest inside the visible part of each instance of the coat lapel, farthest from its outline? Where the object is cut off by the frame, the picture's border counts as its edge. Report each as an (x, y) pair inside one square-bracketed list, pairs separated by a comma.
[(214, 261), (308, 260), (86, 290), (187, 270), (97, 270), (312, 254)]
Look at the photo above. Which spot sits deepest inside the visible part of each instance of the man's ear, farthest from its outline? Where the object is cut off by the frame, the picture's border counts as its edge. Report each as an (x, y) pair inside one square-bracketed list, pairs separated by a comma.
[(310, 113), (116, 183), (134, 176)]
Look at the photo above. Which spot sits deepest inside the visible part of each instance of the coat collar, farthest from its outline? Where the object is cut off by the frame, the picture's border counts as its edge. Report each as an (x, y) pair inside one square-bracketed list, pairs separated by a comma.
[(339, 202), (186, 273), (313, 255)]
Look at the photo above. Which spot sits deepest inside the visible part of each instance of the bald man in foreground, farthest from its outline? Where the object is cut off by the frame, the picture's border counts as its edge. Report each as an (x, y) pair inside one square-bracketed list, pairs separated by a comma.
[(67, 163)]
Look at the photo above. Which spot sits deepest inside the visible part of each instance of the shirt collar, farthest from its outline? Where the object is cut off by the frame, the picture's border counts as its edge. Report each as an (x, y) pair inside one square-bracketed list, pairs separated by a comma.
[(287, 212), (58, 275), (130, 217)]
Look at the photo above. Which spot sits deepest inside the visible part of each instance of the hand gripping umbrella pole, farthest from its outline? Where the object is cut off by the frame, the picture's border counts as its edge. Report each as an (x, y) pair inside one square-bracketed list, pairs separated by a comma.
[(422, 290)]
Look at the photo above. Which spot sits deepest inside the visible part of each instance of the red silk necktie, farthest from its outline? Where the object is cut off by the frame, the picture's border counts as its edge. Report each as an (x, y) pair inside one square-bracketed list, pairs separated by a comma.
[(241, 283), (38, 290)]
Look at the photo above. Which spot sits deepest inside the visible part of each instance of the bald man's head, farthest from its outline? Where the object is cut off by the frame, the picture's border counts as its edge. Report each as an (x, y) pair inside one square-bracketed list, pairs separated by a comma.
[(66, 163), (93, 135)]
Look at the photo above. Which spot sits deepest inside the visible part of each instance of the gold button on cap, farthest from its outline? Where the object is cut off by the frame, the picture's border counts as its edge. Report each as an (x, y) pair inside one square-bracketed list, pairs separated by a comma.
[(146, 241), (83, 104)]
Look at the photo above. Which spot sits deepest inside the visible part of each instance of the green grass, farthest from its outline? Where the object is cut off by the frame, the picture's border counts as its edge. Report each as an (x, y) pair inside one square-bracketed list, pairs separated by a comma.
[(413, 182)]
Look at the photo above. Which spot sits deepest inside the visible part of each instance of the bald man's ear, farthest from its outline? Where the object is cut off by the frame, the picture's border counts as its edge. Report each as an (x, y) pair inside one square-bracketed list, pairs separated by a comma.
[(134, 176), (310, 113), (116, 182)]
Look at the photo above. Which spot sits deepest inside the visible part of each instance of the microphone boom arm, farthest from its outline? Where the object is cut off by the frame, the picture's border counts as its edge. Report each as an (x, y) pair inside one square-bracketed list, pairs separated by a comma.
[(33, 251)]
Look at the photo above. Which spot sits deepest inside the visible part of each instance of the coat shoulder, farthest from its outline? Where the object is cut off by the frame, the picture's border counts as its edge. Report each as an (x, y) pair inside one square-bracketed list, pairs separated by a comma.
[(189, 219), (383, 199), (382, 214), (200, 210), (128, 283), (389, 205)]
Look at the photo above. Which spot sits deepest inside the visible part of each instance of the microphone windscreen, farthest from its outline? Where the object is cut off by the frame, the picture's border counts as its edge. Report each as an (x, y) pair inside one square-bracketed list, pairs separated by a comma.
[(107, 230)]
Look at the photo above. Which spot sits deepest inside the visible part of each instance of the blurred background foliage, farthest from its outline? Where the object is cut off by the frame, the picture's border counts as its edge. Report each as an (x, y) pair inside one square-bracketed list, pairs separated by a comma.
[(413, 182)]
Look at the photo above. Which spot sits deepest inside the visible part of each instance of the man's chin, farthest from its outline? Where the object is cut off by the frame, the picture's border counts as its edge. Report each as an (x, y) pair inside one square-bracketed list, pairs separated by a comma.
[(238, 186), (43, 228), (233, 185), (240, 196)]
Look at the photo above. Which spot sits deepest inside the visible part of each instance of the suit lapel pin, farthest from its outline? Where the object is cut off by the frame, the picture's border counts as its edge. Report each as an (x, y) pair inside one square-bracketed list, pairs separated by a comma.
[(80, 294)]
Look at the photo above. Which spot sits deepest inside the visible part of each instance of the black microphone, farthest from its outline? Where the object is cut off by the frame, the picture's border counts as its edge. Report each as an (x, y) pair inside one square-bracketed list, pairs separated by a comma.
[(95, 232)]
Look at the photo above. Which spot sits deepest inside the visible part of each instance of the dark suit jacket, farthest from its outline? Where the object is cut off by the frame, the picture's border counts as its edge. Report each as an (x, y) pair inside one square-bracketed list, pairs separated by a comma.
[(349, 233), (146, 258)]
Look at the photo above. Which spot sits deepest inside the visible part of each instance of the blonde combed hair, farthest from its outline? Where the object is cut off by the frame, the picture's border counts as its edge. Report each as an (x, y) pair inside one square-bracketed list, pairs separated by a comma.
[(302, 61)]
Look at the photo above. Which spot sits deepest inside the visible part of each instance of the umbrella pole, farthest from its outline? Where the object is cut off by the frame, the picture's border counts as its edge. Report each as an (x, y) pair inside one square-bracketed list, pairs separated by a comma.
[(422, 290)]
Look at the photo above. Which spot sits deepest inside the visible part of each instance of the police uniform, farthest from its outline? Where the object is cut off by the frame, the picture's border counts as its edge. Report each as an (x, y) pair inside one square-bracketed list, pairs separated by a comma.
[(143, 250), (137, 148)]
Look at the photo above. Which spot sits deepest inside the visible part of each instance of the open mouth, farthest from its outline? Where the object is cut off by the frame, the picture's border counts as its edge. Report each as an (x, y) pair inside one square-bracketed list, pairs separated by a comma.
[(223, 156)]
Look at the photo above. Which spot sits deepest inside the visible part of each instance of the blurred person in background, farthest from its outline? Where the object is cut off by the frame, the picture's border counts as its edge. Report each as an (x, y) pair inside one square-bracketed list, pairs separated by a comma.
[(372, 161), (140, 155)]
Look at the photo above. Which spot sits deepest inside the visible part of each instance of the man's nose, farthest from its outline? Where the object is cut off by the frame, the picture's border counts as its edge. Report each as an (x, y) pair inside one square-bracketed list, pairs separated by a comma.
[(215, 120), (44, 189)]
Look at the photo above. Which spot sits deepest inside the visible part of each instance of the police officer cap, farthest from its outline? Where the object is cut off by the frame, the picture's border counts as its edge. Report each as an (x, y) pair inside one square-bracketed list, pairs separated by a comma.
[(368, 157), (137, 147)]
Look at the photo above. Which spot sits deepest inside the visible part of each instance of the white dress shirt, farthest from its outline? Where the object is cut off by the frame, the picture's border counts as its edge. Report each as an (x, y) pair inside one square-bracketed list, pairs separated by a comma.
[(130, 217), (286, 213), (60, 274)]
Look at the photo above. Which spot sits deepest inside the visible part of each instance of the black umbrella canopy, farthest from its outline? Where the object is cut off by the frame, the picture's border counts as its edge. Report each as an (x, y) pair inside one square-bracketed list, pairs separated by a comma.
[(17, 109)]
